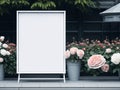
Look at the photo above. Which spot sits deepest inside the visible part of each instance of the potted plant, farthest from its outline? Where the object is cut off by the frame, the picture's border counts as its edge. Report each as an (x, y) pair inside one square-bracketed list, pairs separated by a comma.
[(73, 56)]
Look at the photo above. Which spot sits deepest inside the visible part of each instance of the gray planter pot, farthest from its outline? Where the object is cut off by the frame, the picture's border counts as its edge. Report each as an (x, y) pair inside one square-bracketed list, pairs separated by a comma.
[(73, 70), (1, 72), (119, 74)]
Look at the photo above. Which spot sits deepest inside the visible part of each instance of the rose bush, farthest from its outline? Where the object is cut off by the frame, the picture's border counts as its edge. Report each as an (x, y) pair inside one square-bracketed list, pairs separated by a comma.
[(8, 56), (105, 48)]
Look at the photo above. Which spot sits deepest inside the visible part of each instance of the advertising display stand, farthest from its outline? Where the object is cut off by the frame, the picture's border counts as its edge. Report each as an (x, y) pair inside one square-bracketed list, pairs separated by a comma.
[(41, 43)]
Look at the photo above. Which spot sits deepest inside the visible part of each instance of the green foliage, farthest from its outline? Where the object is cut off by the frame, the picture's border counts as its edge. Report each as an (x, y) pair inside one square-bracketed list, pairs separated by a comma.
[(4, 2), (4, 6), (43, 4), (10, 64), (81, 3), (84, 3), (7, 5), (19, 3)]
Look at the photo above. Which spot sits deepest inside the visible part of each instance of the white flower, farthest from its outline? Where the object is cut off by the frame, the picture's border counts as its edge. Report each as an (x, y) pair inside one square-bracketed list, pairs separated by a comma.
[(3, 52), (5, 45), (115, 58), (80, 53), (108, 50), (1, 59), (2, 38), (67, 54), (73, 50), (117, 48), (8, 53)]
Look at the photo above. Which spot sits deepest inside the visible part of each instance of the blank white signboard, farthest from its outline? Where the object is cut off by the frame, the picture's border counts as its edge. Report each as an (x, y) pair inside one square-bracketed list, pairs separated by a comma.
[(40, 42)]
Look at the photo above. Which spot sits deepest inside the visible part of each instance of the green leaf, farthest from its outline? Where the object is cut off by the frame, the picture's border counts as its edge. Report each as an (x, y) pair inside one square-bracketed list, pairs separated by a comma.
[(106, 56), (115, 70), (92, 53), (43, 5)]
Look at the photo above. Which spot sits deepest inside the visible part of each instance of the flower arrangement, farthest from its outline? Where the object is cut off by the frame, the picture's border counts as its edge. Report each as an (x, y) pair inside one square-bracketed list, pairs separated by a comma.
[(4, 49), (73, 53)]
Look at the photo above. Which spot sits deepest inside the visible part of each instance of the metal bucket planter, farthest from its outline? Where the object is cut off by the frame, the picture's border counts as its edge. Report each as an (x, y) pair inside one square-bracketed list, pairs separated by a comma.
[(119, 74), (1, 72), (73, 70)]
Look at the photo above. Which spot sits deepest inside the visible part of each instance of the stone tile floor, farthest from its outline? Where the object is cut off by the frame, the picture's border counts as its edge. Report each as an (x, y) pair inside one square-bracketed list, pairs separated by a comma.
[(100, 82)]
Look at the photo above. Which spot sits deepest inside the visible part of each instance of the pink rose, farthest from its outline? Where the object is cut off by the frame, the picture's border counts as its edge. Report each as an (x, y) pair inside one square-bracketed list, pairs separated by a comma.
[(73, 50), (67, 54), (83, 49), (80, 53), (82, 44), (105, 68), (96, 61), (1, 59)]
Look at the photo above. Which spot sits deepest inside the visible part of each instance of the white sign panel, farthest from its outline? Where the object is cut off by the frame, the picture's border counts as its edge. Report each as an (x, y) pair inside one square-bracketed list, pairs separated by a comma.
[(40, 42)]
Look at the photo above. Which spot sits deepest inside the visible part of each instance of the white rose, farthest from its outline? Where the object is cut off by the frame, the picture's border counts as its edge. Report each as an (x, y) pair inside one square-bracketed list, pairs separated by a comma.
[(108, 50), (117, 48), (5, 45), (7, 52), (2, 38), (115, 58), (3, 52), (1, 59)]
